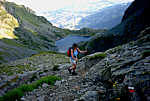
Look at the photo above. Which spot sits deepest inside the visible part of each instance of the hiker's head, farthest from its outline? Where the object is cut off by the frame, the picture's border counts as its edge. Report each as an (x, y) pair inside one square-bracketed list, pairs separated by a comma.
[(75, 46)]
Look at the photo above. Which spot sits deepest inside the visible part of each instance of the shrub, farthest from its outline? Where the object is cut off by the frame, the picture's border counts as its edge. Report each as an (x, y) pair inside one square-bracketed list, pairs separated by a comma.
[(26, 88), (98, 56), (13, 95), (17, 93), (1, 99), (49, 80)]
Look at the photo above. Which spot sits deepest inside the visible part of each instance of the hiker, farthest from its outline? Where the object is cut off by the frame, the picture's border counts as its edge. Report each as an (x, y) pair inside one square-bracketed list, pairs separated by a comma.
[(73, 54)]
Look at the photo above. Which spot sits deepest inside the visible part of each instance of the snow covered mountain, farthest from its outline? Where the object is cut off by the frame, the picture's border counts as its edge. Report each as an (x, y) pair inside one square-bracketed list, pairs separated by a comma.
[(70, 16), (105, 18)]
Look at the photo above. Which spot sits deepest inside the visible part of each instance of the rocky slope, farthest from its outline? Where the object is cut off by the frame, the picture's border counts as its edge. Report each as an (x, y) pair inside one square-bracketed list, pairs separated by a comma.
[(104, 77), (118, 74), (135, 19), (27, 70), (105, 18)]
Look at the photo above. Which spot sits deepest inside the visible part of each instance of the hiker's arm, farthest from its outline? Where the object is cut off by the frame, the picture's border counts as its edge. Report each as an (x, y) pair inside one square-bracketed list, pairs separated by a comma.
[(82, 52), (72, 55)]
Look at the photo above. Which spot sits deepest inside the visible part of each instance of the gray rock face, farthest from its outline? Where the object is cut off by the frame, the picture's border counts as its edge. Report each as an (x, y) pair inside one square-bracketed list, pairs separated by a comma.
[(45, 85), (90, 96), (57, 83)]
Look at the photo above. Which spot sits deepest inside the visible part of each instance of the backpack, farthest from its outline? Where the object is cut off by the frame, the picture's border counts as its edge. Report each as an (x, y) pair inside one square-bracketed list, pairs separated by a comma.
[(69, 51)]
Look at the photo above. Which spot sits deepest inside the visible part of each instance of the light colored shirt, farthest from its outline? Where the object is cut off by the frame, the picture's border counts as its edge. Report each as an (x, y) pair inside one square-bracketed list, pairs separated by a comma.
[(75, 54)]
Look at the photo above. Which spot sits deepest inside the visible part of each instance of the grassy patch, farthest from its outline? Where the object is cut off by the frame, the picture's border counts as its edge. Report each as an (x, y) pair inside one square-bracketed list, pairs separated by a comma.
[(10, 70), (146, 53), (46, 53), (53, 57), (49, 80), (98, 56), (113, 50), (12, 95), (12, 42), (32, 31), (11, 34), (146, 73), (17, 93), (25, 15), (2, 59)]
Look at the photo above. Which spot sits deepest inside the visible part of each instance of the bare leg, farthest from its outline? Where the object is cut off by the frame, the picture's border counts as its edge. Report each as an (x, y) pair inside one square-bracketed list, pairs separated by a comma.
[(74, 67)]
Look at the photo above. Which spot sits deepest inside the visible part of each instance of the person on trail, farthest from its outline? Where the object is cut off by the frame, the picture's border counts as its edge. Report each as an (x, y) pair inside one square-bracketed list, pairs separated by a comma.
[(74, 51)]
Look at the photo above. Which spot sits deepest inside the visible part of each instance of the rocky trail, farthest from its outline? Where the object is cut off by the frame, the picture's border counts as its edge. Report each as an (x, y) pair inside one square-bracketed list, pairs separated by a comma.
[(103, 79), (103, 76), (67, 89)]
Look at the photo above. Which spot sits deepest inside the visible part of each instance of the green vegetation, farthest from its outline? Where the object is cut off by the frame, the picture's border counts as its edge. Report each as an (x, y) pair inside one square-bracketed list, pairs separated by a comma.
[(17, 93), (12, 95), (53, 58), (146, 73), (31, 63), (82, 45), (88, 31), (26, 14), (10, 70), (55, 68), (8, 24), (34, 32), (3, 54), (98, 56), (1, 58), (47, 53), (146, 53), (113, 50), (12, 42)]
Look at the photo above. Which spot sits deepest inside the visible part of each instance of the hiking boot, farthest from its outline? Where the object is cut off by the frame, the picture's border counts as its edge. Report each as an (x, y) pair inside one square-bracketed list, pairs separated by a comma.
[(69, 70), (74, 73)]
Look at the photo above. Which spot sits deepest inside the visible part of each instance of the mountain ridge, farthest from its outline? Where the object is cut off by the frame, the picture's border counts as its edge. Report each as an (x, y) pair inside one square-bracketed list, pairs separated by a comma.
[(105, 18), (32, 35), (124, 32), (72, 17)]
